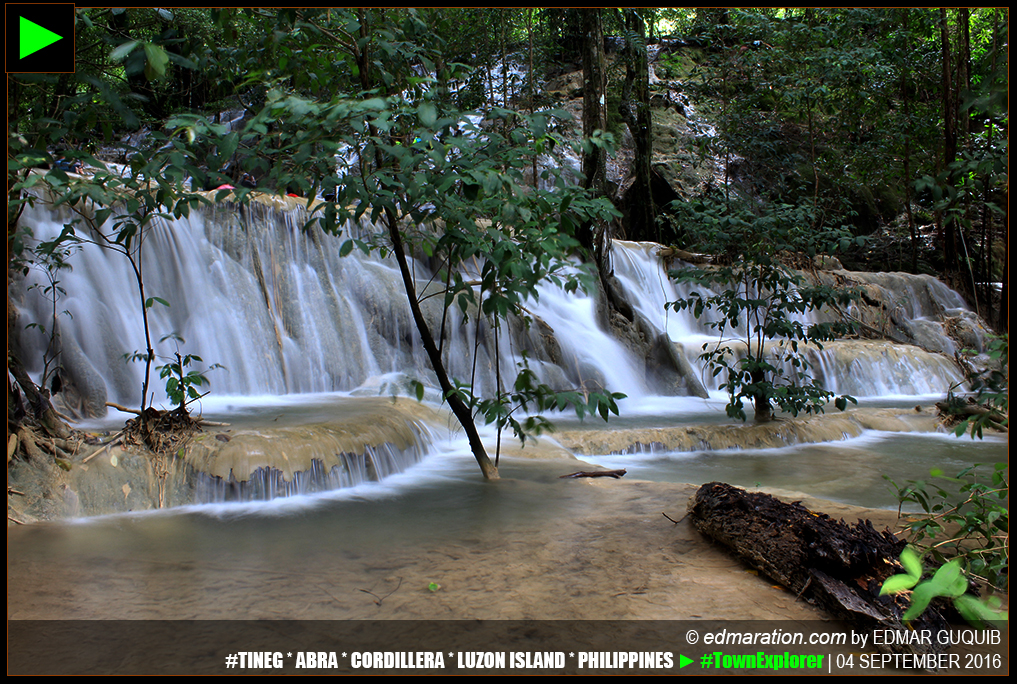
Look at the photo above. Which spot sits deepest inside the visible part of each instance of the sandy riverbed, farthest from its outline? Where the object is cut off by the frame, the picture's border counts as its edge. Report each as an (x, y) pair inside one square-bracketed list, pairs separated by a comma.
[(529, 548), (606, 552)]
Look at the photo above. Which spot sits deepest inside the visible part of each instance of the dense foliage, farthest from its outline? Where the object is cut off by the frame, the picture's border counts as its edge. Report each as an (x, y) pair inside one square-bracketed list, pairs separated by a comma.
[(761, 304), (891, 122)]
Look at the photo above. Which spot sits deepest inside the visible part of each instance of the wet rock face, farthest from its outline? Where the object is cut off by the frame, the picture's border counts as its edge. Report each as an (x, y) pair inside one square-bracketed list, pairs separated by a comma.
[(84, 390), (368, 440), (568, 85), (825, 262), (917, 309), (673, 160), (969, 329)]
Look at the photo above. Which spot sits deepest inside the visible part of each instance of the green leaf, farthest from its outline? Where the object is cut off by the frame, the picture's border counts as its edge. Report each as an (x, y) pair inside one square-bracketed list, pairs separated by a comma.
[(912, 564), (945, 581), (979, 612), (897, 584), (428, 115), (157, 61), (123, 50), (229, 145), (920, 599)]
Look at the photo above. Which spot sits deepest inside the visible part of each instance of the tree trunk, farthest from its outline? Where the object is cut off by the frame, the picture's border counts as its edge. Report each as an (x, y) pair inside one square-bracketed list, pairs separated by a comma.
[(761, 402), (963, 83), (594, 89), (635, 109), (1004, 294), (949, 143), (594, 164), (455, 402), (529, 76), (905, 97)]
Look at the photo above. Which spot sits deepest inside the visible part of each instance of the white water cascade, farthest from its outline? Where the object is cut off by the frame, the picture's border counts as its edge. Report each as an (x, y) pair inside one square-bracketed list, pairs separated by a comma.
[(282, 313), (867, 369)]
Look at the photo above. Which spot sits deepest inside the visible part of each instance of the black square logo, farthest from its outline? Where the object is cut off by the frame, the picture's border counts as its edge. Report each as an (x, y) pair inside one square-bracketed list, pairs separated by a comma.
[(40, 38)]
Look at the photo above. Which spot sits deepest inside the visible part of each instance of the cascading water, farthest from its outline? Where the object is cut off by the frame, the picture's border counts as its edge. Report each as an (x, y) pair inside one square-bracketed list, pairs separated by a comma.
[(248, 288), (360, 440), (866, 369), (244, 289), (282, 313)]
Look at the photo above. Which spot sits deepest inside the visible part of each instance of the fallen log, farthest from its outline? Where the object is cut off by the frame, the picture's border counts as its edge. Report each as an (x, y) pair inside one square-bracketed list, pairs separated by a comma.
[(687, 257), (953, 410), (616, 474), (836, 566)]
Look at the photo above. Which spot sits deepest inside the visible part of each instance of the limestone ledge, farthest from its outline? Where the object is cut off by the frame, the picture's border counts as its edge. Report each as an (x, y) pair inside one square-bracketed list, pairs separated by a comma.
[(828, 427), (359, 425)]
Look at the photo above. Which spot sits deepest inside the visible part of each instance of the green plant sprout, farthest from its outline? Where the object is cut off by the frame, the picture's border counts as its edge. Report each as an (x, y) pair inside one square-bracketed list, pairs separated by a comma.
[(975, 515), (50, 258), (182, 382), (949, 581)]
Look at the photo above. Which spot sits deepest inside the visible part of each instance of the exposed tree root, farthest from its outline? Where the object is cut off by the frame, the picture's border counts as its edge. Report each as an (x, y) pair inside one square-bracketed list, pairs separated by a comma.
[(27, 444), (161, 431)]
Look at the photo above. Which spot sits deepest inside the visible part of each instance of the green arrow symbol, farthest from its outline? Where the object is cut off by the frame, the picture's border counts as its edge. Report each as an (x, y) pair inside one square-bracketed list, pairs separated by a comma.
[(683, 661), (33, 37)]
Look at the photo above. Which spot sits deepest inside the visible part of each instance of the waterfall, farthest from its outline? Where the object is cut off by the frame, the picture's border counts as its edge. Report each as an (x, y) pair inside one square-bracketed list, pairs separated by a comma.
[(860, 368), (277, 307), (247, 287)]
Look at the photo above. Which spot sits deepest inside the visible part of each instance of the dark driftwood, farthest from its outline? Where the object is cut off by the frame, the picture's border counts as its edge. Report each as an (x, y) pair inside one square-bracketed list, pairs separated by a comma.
[(972, 409), (595, 473), (837, 566)]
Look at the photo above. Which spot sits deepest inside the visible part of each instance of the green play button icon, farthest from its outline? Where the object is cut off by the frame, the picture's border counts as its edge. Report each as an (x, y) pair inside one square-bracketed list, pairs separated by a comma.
[(39, 38), (32, 37)]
